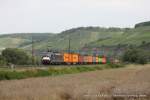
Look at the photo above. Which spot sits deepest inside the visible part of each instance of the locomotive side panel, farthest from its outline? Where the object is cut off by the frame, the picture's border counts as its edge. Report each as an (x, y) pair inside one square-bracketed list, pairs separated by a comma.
[(57, 58)]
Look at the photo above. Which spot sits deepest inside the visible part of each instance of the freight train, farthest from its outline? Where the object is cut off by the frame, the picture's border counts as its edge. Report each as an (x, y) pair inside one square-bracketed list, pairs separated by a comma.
[(55, 58)]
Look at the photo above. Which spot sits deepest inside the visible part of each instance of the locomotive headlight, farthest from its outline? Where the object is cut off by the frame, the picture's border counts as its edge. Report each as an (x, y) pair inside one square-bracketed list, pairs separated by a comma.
[(46, 58)]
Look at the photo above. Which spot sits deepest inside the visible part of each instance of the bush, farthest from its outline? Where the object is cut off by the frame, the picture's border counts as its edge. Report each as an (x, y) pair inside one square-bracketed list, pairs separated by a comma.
[(112, 65), (135, 56), (2, 60), (7, 75), (16, 56)]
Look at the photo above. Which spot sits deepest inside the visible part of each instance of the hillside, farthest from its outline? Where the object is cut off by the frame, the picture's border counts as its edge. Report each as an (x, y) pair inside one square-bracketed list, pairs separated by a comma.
[(142, 24), (80, 37), (22, 39), (129, 36), (95, 37)]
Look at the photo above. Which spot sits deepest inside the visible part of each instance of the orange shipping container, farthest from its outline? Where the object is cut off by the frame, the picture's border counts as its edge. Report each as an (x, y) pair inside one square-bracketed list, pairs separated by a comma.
[(67, 57), (71, 58), (75, 58), (85, 59), (89, 59)]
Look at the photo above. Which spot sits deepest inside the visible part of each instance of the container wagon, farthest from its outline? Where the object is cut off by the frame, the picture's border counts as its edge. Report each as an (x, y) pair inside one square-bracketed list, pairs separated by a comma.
[(72, 58)]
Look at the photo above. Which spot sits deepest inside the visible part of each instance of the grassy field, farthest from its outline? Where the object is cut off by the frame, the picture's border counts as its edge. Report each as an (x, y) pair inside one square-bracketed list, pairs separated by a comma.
[(22, 72), (127, 83)]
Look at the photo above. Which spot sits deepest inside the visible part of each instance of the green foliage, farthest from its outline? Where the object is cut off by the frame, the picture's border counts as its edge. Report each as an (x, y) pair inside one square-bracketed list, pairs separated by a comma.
[(16, 56), (2, 60), (135, 56), (9, 75), (113, 65)]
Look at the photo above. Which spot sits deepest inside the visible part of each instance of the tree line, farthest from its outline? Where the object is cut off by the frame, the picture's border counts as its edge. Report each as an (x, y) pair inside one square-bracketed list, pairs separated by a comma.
[(15, 56), (136, 55)]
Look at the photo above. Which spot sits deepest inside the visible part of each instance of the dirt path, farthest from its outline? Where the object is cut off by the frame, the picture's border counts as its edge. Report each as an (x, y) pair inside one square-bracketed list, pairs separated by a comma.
[(112, 84)]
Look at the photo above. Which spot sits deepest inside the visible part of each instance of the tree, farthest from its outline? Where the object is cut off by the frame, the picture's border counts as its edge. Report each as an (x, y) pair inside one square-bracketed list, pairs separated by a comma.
[(135, 56), (2, 60), (16, 56)]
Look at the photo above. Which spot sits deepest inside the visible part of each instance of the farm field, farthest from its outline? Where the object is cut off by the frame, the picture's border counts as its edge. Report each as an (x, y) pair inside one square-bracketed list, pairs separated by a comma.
[(126, 83)]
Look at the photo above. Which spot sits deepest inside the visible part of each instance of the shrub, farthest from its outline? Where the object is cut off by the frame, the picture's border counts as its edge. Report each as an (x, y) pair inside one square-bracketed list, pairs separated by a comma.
[(16, 56), (112, 65), (11, 75), (135, 56), (2, 60)]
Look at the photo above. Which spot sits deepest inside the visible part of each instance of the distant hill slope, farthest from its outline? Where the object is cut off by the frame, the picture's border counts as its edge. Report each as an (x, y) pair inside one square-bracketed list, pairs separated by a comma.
[(129, 36), (80, 37), (22, 39), (142, 24)]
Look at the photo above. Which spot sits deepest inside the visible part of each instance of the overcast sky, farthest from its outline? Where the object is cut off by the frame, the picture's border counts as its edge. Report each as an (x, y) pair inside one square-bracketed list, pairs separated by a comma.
[(18, 16)]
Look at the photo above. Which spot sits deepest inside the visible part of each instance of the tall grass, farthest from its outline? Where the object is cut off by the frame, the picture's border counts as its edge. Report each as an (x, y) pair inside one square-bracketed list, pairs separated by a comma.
[(52, 71)]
